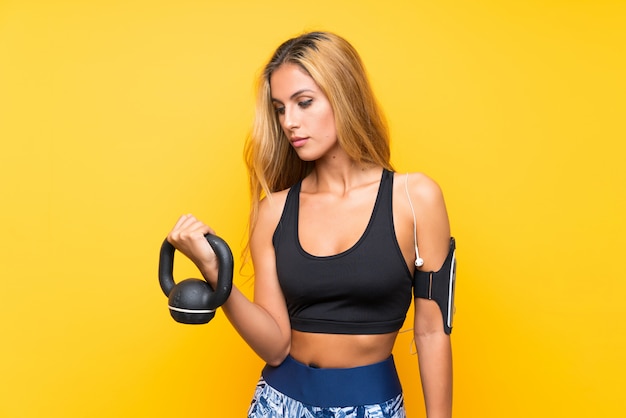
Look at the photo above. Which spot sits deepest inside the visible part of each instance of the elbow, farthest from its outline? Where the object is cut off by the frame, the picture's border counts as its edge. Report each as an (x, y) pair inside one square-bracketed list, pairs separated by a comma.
[(275, 362), (277, 354), (276, 359), (432, 340), (428, 323), (428, 326), (428, 332)]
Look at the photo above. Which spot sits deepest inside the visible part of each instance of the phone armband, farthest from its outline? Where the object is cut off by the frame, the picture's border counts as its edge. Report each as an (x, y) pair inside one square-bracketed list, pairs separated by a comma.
[(439, 286)]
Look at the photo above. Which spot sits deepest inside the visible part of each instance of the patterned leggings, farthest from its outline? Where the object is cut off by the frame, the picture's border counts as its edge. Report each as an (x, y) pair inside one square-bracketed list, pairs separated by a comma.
[(295, 390), (270, 403)]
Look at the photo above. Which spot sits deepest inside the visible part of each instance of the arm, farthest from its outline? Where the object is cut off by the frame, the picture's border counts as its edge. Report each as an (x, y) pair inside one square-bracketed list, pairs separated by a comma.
[(433, 345), (264, 323), (435, 359)]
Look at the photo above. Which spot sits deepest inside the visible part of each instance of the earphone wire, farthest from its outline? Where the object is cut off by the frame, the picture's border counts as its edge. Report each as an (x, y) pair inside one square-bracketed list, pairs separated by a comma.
[(412, 343), (419, 262)]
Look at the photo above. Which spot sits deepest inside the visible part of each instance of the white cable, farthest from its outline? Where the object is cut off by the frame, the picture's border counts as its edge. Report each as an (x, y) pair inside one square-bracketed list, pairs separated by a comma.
[(419, 262)]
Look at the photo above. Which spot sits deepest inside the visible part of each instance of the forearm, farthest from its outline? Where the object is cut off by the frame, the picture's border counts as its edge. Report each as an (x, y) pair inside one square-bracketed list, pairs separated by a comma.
[(257, 327), (435, 364), (264, 323)]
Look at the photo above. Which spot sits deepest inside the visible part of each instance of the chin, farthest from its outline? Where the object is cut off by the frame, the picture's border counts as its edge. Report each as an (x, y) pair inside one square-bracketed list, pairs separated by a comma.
[(307, 156)]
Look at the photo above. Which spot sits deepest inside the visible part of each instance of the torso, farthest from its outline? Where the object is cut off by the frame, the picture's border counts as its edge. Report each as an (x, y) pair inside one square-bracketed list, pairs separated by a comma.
[(339, 350), (343, 219)]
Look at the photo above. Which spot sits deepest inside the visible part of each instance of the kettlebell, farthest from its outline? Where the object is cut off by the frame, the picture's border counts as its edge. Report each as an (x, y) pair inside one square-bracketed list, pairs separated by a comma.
[(193, 301)]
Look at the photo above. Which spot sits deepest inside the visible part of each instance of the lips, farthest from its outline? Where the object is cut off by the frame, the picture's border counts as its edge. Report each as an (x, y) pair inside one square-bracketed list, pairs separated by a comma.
[(298, 141)]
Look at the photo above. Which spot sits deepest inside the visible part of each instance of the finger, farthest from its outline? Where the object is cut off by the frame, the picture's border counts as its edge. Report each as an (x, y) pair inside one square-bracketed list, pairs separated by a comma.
[(179, 226), (190, 228), (179, 223), (187, 223), (186, 220), (195, 230)]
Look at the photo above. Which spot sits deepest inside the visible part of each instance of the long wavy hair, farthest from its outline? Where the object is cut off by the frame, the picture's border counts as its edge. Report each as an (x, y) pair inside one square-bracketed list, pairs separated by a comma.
[(335, 66)]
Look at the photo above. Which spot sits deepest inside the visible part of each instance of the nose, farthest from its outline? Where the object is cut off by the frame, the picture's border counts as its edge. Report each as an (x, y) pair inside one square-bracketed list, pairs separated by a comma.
[(290, 120)]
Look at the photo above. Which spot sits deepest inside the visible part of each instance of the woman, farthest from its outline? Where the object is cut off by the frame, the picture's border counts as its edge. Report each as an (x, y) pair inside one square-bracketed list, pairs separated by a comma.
[(333, 245)]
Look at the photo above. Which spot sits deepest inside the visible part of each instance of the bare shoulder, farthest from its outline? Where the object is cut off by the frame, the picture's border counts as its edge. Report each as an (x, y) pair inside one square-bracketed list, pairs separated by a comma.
[(428, 206), (424, 190), (270, 211), (271, 207), (425, 193)]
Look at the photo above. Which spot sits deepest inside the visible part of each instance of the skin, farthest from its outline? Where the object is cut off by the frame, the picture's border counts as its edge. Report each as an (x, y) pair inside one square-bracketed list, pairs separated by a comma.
[(337, 198)]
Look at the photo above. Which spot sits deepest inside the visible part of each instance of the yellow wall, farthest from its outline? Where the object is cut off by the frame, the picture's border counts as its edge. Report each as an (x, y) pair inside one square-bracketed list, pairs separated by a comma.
[(117, 116)]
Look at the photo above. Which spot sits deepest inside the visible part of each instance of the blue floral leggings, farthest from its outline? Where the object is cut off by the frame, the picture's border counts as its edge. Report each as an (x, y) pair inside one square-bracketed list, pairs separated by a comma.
[(270, 403)]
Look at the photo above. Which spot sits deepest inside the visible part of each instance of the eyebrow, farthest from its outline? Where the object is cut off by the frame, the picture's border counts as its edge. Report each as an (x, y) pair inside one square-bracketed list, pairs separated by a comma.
[(296, 94)]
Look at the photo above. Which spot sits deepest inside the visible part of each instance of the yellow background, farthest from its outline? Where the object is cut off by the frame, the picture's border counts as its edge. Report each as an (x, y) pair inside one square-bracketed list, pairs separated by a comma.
[(118, 116)]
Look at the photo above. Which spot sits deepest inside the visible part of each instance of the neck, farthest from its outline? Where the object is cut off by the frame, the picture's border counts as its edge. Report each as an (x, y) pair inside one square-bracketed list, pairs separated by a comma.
[(339, 177)]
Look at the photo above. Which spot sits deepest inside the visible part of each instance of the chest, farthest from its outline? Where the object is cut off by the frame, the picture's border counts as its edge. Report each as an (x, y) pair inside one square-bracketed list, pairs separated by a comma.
[(329, 225), (369, 272)]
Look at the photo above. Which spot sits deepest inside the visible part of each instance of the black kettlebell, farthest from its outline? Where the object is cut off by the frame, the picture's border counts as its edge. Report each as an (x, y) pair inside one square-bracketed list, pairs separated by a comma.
[(193, 301)]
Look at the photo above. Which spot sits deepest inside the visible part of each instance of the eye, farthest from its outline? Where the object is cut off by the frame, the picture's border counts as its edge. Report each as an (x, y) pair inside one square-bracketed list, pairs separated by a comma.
[(305, 103), (280, 110)]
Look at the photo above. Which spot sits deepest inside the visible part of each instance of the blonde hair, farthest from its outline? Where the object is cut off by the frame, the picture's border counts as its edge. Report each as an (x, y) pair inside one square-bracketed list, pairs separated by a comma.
[(362, 131)]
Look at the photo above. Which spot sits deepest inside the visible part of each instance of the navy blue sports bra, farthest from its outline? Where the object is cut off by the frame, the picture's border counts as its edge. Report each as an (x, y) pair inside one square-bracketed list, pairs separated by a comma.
[(366, 289)]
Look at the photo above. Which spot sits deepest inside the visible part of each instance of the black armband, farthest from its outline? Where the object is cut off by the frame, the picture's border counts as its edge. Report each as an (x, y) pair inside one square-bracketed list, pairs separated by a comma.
[(439, 286)]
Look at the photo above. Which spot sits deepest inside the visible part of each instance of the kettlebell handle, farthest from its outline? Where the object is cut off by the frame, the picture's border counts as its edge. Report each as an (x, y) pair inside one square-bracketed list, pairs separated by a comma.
[(224, 274)]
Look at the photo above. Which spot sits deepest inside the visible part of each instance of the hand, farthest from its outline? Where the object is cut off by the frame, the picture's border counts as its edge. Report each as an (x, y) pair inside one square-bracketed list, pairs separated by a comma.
[(187, 236)]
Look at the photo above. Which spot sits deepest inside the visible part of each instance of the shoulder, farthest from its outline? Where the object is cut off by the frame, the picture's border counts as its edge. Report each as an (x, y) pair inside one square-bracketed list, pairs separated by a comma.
[(422, 202), (424, 188), (272, 206), (270, 211), (424, 192)]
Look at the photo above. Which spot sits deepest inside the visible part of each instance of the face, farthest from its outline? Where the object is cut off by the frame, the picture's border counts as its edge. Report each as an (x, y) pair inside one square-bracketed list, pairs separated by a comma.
[(304, 112)]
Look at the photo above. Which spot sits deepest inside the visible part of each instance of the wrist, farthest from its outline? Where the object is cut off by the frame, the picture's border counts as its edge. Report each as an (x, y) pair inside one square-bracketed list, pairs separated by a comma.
[(209, 270)]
